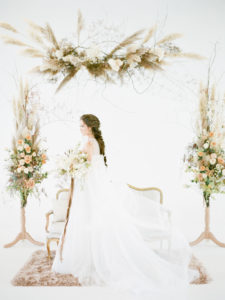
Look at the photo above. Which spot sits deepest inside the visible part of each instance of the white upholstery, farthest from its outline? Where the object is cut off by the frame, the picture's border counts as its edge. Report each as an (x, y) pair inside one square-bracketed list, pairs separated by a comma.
[(56, 227), (57, 219), (60, 206)]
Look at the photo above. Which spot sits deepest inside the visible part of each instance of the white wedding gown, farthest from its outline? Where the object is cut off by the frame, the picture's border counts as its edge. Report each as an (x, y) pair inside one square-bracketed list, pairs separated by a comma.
[(105, 246)]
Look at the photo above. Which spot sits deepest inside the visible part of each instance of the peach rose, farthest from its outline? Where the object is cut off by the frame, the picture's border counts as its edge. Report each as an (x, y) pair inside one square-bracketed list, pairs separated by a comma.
[(28, 137), (211, 134), (220, 160), (43, 161), (213, 144), (202, 168), (43, 156), (27, 159), (200, 153), (20, 142), (28, 149), (200, 177)]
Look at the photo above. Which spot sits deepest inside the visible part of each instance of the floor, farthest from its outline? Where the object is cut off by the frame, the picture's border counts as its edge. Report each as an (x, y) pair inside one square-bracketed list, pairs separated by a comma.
[(12, 259)]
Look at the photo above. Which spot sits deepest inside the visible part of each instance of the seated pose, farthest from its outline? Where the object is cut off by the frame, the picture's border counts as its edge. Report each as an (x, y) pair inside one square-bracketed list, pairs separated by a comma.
[(102, 240)]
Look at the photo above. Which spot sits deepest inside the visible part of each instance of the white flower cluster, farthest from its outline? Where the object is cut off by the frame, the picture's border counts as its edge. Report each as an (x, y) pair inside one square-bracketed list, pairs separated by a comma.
[(73, 163)]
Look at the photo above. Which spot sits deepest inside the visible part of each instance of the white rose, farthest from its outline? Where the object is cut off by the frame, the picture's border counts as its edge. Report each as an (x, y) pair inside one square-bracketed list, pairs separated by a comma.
[(19, 170), (218, 166), (20, 148), (30, 169), (223, 172), (159, 52), (34, 154), (206, 145), (213, 155), (204, 175), (26, 170), (115, 64), (212, 161), (22, 162), (59, 54), (93, 52), (72, 59), (132, 48)]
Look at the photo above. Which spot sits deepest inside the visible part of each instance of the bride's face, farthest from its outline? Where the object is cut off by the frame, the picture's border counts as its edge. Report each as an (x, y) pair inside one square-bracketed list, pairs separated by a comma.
[(84, 129)]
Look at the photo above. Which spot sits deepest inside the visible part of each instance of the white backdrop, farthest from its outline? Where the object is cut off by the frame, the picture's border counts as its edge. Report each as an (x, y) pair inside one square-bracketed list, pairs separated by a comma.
[(145, 132)]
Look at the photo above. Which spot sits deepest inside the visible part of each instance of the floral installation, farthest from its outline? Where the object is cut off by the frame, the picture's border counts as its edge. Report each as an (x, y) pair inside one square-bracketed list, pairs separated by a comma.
[(66, 58), (205, 157), (73, 163), (26, 158)]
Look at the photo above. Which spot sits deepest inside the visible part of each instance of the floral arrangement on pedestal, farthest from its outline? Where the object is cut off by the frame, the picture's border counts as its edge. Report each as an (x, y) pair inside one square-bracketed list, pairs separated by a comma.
[(205, 157), (100, 59), (26, 158)]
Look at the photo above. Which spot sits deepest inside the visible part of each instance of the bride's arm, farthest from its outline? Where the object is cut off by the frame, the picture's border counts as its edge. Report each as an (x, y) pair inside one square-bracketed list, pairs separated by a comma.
[(88, 148)]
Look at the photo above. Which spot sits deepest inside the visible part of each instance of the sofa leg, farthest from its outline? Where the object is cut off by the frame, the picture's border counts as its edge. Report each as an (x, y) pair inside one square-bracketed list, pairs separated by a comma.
[(48, 249), (48, 245)]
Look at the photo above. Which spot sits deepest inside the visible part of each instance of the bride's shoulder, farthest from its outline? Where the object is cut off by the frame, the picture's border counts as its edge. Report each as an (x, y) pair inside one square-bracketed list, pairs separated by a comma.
[(89, 141)]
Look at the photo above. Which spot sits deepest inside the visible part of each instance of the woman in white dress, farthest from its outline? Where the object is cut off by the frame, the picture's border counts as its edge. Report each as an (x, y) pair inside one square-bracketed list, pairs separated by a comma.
[(102, 241)]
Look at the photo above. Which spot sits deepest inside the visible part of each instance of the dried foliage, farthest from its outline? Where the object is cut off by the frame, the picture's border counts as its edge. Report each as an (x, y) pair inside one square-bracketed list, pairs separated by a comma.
[(66, 58)]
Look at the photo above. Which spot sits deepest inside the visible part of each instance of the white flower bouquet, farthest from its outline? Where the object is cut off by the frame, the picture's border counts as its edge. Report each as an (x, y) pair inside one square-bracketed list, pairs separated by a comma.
[(73, 163)]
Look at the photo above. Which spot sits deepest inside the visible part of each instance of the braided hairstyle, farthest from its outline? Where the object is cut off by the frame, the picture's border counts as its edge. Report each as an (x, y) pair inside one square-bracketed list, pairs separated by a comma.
[(93, 122)]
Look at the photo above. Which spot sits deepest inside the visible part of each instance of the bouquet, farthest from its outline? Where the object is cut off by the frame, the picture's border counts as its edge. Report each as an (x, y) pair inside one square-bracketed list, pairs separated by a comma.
[(25, 167), (73, 163)]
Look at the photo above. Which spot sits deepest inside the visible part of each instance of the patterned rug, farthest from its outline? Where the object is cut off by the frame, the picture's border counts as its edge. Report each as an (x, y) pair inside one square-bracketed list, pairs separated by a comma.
[(37, 272)]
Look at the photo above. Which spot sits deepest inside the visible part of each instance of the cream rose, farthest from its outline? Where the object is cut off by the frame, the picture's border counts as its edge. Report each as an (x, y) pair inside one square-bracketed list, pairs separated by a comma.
[(212, 161), (21, 162), (26, 170), (115, 64)]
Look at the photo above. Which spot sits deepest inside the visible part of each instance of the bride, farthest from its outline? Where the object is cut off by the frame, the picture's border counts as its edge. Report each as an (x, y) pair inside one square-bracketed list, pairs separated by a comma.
[(103, 241)]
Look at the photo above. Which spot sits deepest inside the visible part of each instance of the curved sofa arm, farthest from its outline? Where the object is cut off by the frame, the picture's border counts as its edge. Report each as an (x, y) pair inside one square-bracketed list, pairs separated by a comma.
[(47, 215)]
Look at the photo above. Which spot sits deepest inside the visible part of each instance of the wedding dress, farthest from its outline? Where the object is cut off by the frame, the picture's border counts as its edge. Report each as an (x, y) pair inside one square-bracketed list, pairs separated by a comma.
[(105, 245)]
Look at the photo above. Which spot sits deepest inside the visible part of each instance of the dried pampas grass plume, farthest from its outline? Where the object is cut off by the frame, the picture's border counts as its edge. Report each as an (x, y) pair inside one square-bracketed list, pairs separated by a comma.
[(115, 63)]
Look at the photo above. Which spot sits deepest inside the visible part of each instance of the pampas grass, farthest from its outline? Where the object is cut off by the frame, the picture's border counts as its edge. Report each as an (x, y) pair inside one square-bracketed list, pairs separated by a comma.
[(66, 58), (8, 27), (169, 38), (126, 42)]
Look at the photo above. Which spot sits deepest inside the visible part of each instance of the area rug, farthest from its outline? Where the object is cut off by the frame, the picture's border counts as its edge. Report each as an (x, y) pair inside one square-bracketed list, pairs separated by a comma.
[(37, 272)]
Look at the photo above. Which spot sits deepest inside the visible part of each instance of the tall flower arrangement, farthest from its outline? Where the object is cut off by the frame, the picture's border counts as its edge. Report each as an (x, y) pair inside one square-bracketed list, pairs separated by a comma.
[(205, 157), (26, 158), (138, 51)]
